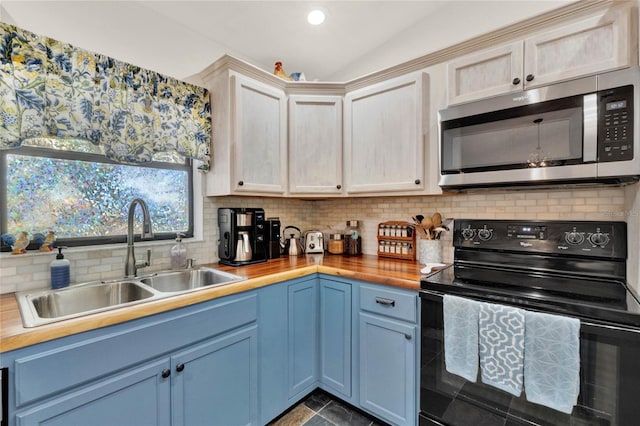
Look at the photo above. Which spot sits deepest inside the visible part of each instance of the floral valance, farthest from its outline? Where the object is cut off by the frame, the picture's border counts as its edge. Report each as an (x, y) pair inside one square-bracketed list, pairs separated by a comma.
[(53, 89)]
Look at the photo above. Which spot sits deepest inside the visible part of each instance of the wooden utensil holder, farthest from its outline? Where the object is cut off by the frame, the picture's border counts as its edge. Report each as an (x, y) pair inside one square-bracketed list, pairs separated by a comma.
[(397, 240)]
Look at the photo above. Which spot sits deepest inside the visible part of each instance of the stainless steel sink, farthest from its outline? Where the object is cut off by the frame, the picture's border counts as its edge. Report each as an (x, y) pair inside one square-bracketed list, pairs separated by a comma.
[(47, 306), (55, 305), (189, 279)]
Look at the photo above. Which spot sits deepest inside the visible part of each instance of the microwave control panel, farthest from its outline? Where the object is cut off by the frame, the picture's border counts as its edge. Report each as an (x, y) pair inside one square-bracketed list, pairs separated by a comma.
[(615, 124)]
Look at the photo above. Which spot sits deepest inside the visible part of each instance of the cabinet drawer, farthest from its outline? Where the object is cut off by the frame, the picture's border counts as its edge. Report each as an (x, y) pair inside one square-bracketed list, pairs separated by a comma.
[(389, 302)]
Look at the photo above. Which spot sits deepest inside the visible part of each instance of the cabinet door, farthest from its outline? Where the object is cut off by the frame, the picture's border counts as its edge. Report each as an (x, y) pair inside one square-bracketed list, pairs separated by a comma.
[(272, 343), (335, 336), (599, 43), (137, 397), (216, 383), (302, 346), (388, 369), (493, 71), (259, 137), (384, 136), (315, 144)]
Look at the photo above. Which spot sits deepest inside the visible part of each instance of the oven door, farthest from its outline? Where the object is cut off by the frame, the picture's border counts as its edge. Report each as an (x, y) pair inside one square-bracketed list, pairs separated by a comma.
[(609, 381)]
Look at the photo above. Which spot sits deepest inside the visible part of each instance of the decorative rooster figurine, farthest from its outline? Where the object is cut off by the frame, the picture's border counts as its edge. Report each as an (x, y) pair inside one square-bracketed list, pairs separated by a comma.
[(49, 242), (18, 246), (279, 71)]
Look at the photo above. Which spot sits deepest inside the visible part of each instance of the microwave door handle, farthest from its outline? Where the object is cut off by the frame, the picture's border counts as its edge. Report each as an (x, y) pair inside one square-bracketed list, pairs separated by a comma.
[(590, 120)]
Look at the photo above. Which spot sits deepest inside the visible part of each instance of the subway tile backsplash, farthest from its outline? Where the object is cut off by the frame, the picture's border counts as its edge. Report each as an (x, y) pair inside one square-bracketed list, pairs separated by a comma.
[(31, 271)]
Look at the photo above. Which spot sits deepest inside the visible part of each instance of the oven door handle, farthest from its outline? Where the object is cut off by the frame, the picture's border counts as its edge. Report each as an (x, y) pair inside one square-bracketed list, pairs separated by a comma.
[(608, 329)]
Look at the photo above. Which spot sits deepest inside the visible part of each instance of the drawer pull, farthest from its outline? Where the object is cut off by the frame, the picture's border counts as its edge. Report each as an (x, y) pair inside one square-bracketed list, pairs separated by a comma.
[(407, 336), (179, 367), (386, 302), (166, 373)]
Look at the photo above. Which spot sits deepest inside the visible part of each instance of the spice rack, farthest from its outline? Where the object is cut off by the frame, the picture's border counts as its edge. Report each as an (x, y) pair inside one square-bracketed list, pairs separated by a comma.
[(397, 240)]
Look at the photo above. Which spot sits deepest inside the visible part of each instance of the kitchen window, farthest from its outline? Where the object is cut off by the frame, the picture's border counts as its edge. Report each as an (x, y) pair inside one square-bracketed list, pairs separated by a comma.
[(71, 188)]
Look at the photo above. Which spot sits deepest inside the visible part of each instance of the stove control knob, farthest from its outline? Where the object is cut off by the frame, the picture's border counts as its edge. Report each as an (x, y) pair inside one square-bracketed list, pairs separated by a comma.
[(599, 239), (468, 233), (485, 234), (574, 238)]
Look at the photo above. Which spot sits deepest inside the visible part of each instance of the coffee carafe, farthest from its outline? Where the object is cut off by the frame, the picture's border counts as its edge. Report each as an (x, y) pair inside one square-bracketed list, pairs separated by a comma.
[(242, 236), (243, 248)]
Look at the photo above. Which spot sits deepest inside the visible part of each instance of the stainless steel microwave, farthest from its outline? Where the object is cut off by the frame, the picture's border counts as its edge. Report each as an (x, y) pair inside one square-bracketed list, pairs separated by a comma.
[(579, 131)]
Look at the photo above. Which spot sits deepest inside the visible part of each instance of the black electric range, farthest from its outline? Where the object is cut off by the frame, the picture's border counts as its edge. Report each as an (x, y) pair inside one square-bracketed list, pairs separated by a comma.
[(569, 268)]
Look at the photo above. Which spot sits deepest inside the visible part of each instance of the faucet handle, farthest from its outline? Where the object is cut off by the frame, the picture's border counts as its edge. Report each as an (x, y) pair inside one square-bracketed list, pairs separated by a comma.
[(144, 263), (190, 263)]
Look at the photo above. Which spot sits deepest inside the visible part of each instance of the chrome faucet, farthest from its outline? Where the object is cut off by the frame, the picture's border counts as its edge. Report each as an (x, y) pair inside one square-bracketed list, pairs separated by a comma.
[(131, 266)]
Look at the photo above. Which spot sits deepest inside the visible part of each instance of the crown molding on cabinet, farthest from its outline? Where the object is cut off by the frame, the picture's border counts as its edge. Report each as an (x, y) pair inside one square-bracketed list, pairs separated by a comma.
[(502, 35), (290, 87)]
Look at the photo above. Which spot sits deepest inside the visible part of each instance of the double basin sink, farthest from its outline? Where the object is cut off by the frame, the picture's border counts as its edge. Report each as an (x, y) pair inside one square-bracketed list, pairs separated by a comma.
[(47, 306)]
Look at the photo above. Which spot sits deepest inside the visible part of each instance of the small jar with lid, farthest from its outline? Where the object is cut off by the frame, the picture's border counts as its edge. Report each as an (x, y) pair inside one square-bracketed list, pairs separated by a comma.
[(353, 240), (336, 244)]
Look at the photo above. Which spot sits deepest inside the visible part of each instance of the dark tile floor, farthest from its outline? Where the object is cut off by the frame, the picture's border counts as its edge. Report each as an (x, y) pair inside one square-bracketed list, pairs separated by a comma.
[(321, 409)]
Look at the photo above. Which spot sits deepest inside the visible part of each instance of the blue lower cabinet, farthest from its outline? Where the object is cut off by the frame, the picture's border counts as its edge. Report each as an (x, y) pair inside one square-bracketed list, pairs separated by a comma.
[(216, 383), (138, 397), (193, 366), (335, 337), (272, 346), (237, 360), (388, 368), (302, 342)]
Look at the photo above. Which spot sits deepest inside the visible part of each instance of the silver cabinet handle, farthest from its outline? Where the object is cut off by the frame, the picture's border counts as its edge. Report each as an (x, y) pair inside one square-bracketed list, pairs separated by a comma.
[(386, 302)]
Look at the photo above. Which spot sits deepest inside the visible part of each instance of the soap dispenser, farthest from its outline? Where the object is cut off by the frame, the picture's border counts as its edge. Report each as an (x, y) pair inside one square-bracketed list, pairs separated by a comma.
[(60, 271), (178, 253)]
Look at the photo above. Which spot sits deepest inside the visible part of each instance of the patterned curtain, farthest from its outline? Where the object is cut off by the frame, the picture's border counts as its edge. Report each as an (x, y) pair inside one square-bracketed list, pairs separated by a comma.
[(50, 89)]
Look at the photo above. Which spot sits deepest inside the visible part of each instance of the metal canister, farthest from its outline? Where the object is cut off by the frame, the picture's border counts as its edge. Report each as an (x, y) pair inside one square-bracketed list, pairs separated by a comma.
[(336, 244), (353, 240)]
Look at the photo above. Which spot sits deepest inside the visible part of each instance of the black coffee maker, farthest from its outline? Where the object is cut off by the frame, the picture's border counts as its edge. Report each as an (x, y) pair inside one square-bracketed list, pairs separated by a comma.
[(242, 236)]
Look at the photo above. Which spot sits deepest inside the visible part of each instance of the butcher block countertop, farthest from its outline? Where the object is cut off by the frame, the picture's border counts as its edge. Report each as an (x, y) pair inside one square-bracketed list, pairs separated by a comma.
[(397, 273)]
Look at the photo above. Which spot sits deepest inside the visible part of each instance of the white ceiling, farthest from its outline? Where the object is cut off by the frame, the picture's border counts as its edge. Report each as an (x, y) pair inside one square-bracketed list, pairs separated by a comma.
[(180, 37)]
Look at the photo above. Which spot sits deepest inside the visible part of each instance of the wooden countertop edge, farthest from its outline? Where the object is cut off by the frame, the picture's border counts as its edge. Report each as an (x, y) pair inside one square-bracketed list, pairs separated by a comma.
[(15, 336), (363, 276)]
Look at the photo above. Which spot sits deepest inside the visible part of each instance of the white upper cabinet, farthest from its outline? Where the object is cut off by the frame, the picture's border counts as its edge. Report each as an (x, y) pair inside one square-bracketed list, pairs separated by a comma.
[(315, 145), (599, 43), (384, 140), (249, 153), (259, 137), (494, 71)]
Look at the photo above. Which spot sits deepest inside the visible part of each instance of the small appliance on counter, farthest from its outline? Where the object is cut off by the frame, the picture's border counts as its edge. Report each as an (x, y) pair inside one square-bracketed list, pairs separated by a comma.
[(242, 236), (313, 242), (291, 245), (272, 226)]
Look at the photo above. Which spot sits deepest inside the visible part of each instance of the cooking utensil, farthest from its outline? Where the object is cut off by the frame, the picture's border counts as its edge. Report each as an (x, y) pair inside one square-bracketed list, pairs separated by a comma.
[(436, 219), (427, 224)]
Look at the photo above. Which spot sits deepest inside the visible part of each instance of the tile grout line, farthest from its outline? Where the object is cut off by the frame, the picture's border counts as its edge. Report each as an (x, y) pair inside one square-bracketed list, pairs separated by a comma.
[(317, 413)]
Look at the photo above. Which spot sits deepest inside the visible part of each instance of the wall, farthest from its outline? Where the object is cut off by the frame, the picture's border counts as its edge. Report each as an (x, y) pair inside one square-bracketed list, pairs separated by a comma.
[(31, 271), (632, 216)]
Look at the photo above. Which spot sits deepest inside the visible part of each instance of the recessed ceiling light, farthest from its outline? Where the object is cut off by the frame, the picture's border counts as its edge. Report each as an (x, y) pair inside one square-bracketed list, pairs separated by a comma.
[(315, 17)]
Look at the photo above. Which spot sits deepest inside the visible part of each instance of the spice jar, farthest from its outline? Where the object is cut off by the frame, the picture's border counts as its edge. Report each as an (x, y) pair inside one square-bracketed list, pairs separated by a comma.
[(336, 244), (353, 240)]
